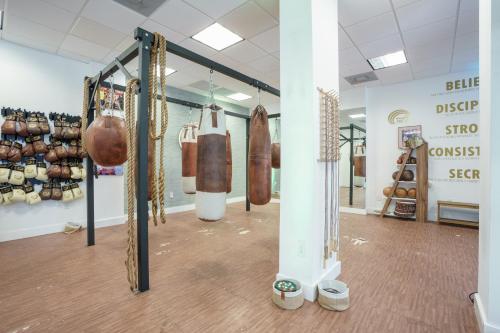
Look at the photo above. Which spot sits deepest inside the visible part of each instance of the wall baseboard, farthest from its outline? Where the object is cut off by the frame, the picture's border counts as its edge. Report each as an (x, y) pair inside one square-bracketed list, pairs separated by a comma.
[(350, 210), (482, 322)]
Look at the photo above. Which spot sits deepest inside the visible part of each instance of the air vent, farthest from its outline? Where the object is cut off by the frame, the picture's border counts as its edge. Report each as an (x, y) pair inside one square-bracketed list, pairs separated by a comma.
[(361, 78), (224, 92), (143, 7), (202, 85)]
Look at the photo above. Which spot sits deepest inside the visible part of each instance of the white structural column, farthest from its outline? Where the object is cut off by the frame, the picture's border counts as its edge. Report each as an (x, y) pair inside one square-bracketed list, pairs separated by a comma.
[(487, 302), (309, 59)]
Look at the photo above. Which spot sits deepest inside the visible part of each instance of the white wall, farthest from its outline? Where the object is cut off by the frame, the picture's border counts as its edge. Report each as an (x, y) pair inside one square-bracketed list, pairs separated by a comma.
[(421, 98)]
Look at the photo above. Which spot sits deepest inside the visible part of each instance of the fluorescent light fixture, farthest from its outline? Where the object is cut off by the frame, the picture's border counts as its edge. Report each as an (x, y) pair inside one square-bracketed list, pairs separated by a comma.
[(358, 115), (1, 19), (239, 96), (168, 71), (388, 60), (217, 37)]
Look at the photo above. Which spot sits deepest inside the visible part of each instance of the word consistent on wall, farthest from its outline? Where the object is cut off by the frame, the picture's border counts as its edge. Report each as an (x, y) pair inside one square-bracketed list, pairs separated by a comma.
[(447, 107)]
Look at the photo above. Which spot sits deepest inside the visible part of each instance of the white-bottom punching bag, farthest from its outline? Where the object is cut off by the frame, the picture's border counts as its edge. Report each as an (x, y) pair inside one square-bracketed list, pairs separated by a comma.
[(211, 178), (189, 135)]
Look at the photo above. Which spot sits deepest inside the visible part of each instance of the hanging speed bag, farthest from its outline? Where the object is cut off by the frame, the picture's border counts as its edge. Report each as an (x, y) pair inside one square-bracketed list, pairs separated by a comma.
[(189, 154), (106, 140), (276, 155), (211, 177), (259, 158), (229, 163)]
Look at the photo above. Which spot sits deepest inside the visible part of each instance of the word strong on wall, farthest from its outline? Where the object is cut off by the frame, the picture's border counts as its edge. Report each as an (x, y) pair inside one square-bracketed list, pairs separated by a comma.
[(447, 108)]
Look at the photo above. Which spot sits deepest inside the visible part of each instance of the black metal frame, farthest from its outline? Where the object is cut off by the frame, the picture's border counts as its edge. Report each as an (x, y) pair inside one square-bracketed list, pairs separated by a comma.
[(141, 48), (351, 140)]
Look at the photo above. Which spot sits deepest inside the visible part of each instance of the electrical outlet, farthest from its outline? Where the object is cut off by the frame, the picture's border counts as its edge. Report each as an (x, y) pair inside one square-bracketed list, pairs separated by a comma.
[(171, 195)]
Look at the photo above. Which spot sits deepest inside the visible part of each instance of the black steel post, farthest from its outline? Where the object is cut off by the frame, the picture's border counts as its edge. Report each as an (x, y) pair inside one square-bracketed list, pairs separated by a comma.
[(351, 165), (90, 174), (145, 41), (247, 138)]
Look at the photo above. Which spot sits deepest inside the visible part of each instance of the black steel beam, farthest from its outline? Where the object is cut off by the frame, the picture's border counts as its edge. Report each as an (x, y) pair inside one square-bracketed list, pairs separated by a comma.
[(354, 126), (351, 165), (247, 138), (274, 115)]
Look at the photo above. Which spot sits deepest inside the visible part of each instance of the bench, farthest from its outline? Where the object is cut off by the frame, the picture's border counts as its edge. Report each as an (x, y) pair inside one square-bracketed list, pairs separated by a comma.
[(460, 205)]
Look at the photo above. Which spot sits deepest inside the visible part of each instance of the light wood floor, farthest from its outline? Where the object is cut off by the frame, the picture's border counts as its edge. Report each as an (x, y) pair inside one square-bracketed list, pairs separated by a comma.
[(217, 277)]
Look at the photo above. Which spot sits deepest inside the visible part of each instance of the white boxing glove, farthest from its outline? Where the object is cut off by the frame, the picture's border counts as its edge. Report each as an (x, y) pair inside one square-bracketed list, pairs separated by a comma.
[(77, 192), (18, 193), (83, 172), (7, 194), (41, 172), (30, 169), (17, 175), (67, 193), (32, 197), (75, 172), (4, 173)]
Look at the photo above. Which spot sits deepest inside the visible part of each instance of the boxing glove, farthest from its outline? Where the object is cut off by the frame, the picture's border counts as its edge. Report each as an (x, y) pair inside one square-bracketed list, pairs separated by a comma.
[(32, 197), (71, 132), (9, 125), (57, 130), (51, 155), (15, 154), (60, 150), (65, 129), (1, 196), (4, 173), (39, 145), (43, 123), (16, 175), (30, 168), (65, 171), (21, 127), (77, 192), (81, 152), (56, 193), (7, 194), (46, 192), (28, 150), (18, 194), (33, 126), (54, 170), (41, 172), (67, 193), (75, 171), (76, 129), (72, 149), (4, 149), (83, 171)]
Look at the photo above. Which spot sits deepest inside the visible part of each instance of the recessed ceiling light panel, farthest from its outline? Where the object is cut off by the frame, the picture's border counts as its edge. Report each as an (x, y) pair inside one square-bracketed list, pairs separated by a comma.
[(217, 37), (388, 60), (358, 115), (239, 96)]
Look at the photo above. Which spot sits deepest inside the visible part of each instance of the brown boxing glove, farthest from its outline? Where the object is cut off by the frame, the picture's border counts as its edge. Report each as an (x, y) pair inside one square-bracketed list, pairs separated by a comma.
[(60, 150), (76, 128), (39, 145), (43, 123), (9, 125), (51, 155), (15, 154), (73, 149), (54, 170), (46, 191), (56, 192), (65, 130), (81, 152), (65, 171), (21, 127), (28, 149), (57, 130), (4, 149), (33, 126)]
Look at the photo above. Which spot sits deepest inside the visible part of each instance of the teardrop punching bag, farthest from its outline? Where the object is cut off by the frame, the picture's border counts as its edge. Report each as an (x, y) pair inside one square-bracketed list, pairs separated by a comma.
[(229, 163), (211, 176), (276, 155), (106, 139), (189, 154), (259, 158)]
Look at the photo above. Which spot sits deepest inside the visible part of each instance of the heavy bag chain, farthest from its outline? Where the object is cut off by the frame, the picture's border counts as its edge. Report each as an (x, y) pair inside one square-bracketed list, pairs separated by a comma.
[(131, 261), (158, 60)]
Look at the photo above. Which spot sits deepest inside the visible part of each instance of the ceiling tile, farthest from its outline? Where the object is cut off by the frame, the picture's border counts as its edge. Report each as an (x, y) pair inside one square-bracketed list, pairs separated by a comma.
[(177, 62), (381, 46), (85, 48), (353, 11), (181, 17), (344, 85), (468, 21), (469, 5), (97, 33), (125, 43), (113, 15), (400, 3), (434, 49), (271, 6), (344, 40), (467, 48), (268, 40), (170, 35), (248, 20), (198, 47), (73, 56), (438, 64), (470, 66), (244, 52), (399, 73), (423, 12), (350, 56), (431, 72), (215, 8), (441, 30), (73, 6), (276, 54), (355, 68), (265, 64), (180, 79), (2, 4), (111, 56), (19, 30), (226, 61), (42, 13), (374, 28)]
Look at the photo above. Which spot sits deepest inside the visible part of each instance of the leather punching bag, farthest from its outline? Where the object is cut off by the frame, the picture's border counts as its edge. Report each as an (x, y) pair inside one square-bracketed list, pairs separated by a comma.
[(106, 140), (211, 177), (189, 154), (276, 155), (229, 163), (259, 158)]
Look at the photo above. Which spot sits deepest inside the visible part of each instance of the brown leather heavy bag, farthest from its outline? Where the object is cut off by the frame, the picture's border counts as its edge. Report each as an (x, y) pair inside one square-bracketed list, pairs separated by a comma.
[(259, 158), (189, 147), (107, 141), (276, 155), (229, 163)]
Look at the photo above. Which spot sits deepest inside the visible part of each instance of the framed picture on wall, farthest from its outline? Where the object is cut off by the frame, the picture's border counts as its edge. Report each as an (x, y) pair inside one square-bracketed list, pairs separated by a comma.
[(407, 133)]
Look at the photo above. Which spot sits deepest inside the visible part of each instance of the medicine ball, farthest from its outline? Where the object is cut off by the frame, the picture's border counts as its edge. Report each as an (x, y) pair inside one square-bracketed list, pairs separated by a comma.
[(394, 175), (412, 193), (407, 175), (106, 140), (400, 192), (387, 191)]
